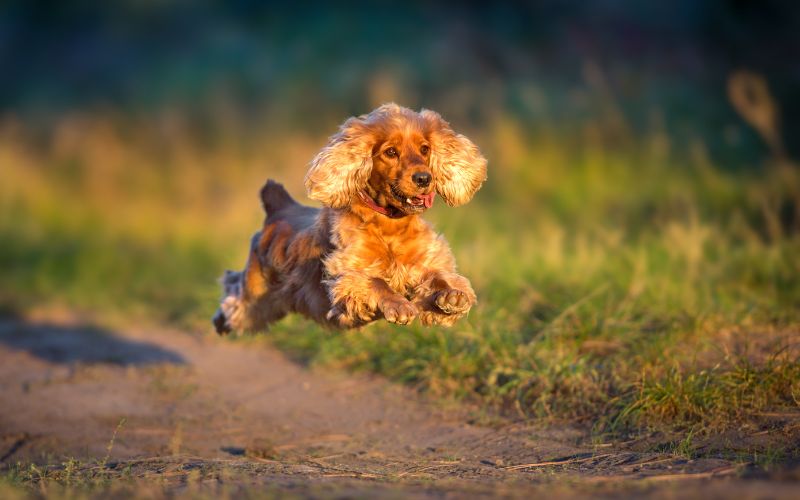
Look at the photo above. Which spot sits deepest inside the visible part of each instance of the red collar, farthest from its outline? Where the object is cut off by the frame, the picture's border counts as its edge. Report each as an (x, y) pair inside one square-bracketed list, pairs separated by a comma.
[(388, 212)]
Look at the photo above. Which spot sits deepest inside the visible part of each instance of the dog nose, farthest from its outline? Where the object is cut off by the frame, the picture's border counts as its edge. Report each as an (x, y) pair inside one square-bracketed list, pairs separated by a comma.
[(421, 179)]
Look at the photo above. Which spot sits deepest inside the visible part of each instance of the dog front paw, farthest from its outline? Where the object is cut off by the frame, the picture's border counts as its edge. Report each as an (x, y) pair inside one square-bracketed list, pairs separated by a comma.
[(452, 301), (350, 314), (398, 310)]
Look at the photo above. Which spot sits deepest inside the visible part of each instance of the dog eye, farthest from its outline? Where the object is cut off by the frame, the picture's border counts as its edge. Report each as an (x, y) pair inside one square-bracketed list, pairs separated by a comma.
[(390, 152), (424, 149)]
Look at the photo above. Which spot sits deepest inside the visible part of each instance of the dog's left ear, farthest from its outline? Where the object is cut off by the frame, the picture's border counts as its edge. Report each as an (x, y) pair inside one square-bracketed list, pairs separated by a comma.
[(458, 167), (343, 166)]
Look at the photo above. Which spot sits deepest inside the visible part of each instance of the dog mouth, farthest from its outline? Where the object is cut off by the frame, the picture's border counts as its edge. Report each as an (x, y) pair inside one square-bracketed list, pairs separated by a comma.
[(416, 203)]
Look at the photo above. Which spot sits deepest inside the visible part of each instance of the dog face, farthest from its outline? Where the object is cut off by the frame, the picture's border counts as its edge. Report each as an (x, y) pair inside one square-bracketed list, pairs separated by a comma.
[(399, 158), (401, 175)]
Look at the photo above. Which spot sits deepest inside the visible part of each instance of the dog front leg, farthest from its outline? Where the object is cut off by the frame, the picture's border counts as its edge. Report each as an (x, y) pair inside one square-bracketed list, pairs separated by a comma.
[(443, 298), (358, 299)]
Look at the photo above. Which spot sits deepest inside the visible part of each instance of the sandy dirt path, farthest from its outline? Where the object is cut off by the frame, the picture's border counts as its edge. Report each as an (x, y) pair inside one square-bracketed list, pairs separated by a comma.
[(244, 415)]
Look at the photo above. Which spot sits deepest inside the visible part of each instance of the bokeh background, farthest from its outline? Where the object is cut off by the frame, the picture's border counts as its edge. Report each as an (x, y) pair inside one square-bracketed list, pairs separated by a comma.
[(634, 250)]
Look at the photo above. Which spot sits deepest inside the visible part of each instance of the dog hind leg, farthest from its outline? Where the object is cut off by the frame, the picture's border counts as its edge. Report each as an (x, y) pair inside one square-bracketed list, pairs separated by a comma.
[(231, 314), (247, 302)]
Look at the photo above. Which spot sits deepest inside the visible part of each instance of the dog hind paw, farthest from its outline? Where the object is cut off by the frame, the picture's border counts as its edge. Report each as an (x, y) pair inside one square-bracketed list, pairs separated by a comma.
[(230, 316), (220, 323), (431, 318)]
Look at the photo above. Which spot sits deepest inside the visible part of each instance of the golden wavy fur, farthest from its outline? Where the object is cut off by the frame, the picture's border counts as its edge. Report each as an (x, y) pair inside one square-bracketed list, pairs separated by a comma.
[(367, 254)]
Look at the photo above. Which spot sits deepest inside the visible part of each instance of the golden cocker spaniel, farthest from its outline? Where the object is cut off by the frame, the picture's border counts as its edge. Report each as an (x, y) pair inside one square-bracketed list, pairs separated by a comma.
[(367, 254)]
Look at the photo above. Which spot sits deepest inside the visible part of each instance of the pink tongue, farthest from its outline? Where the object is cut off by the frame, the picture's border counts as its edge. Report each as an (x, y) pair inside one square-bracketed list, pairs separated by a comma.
[(425, 199)]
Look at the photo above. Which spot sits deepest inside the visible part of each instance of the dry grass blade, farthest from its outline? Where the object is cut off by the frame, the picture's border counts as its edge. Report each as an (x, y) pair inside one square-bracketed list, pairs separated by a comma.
[(557, 462), (719, 472), (352, 474), (777, 414), (652, 461), (423, 469), (722, 471)]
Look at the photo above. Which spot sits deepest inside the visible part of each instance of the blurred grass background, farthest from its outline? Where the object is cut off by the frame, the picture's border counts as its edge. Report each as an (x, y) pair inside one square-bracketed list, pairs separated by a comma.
[(635, 250)]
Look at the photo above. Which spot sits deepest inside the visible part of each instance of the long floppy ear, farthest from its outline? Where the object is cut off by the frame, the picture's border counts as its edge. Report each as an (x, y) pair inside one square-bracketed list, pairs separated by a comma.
[(458, 167), (343, 166)]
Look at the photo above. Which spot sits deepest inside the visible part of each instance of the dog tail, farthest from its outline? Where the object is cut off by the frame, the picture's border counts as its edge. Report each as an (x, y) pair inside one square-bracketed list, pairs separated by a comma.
[(274, 197)]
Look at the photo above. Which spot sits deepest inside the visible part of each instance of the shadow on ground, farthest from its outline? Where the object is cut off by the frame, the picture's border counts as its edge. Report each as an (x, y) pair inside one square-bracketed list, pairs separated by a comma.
[(82, 344)]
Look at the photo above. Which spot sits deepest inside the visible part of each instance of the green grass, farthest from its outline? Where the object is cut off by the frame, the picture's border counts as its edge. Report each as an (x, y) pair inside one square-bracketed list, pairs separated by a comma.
[(623, 289), (82, 267)]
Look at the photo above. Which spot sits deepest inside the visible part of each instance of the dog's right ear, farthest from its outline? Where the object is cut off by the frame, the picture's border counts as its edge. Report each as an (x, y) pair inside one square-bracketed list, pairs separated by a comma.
[(343, 166), (458, 165)]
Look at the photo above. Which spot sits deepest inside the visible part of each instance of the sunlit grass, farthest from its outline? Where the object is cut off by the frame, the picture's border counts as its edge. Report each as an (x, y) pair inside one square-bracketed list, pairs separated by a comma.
[(624, 287)]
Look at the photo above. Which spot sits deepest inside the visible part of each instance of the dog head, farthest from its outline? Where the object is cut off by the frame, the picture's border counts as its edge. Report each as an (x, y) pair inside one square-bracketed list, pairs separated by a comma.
[(399, 159)]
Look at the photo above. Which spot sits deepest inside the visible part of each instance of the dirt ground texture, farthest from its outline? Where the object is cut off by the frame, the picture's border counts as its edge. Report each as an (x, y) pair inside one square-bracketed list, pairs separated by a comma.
[(194, 413)]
